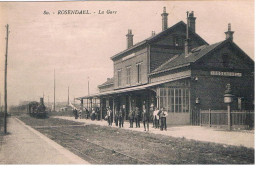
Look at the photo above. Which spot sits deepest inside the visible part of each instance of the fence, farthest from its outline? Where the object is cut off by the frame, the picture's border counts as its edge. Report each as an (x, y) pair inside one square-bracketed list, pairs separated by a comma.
[(220, 117)]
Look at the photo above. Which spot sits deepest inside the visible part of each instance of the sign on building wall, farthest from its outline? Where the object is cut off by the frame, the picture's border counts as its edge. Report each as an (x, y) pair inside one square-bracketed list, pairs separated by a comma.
[(228, 74)]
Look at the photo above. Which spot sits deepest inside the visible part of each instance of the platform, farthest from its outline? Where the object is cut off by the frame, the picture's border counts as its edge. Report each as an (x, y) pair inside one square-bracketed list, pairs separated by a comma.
[(200, 133), (24, 145)]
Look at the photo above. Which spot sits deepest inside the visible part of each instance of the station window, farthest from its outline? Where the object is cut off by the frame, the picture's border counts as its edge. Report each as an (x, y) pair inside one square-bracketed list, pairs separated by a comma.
[(178, 100), (175, 99), (163, 98), (171, 99), (119, 77), (139, 72), (128, 75), (186, 100)]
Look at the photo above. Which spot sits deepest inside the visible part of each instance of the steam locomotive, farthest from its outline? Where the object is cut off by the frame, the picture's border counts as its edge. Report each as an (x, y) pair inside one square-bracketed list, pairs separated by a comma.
[(36, 109)]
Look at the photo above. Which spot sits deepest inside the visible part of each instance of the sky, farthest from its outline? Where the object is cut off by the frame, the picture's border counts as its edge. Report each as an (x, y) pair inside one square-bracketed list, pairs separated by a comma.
[(80, 46)]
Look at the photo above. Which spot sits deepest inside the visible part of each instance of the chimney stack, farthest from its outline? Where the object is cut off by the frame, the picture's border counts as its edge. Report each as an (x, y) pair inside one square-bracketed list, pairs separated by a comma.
[(186, 48), (164, 19), (129, 40), (229, 33), (191, 21), (41, 101)]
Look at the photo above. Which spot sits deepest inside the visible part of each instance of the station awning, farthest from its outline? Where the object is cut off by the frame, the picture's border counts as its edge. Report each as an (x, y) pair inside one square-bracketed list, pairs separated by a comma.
[(136, 88)]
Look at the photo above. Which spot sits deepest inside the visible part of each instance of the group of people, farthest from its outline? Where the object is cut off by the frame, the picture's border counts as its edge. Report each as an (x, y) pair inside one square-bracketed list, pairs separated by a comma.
[(118, 117), (92, 114), (136, 115), (156, 116), (159, 118)]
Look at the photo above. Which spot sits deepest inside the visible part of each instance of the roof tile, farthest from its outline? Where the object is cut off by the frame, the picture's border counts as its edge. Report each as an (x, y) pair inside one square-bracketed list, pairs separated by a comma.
[(181, 59), (109, 81)]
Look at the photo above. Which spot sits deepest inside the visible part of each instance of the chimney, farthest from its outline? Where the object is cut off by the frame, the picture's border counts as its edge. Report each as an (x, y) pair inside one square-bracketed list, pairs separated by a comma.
[(186, 48), (164, 19), (229, 33), (191, 21), (129, 40), (153, 33), (41, 101)]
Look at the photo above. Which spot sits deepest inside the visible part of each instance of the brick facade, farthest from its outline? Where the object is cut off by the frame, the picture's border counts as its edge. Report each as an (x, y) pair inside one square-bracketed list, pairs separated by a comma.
[(159, 72), (131, 60)]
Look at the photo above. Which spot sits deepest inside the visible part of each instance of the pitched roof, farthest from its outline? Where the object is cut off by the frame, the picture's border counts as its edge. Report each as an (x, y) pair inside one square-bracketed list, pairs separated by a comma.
[(152, 38), (109, 81), (182, 60)]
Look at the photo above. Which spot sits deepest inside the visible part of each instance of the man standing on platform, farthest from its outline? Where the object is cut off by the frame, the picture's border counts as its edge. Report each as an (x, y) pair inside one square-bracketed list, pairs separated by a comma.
[(116, 116), (120, 117), (137, 117), (163, 116), (151, 115), (123, 115), (131, 118), (87, 113), (109, 113), (156, 117), (145, 118)]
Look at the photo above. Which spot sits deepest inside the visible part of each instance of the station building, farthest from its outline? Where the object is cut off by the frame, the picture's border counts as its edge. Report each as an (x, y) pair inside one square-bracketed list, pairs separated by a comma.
[(178, 70)]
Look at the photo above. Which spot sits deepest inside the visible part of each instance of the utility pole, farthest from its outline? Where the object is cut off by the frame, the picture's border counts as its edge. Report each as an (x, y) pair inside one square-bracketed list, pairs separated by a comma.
[(0, 104), (68, 95), (54, 92), (6, 54)]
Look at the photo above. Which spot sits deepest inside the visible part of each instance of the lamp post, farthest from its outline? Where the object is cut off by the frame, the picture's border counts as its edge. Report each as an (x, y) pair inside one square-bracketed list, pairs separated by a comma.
[(228, 99)]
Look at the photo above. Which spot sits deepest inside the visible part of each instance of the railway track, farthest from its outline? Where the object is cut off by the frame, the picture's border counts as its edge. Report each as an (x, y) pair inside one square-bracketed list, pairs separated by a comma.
[(108, 156), (58, 126)]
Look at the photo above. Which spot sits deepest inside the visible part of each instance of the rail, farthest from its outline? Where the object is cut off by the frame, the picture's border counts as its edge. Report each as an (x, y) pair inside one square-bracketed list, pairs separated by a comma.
[(96, 145)]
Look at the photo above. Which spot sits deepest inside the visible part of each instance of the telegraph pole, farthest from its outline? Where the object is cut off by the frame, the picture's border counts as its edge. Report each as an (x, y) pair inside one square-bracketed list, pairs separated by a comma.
[(0, 104), (54, 92), (6, 54)]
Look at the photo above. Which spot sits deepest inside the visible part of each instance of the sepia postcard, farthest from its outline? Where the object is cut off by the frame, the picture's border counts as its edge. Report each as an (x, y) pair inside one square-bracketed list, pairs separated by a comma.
[(127, 83)]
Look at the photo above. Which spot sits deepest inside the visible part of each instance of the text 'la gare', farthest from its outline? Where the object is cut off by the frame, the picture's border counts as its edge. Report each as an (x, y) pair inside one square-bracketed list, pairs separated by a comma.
[(107, 12)]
